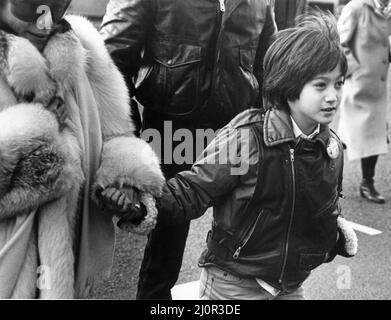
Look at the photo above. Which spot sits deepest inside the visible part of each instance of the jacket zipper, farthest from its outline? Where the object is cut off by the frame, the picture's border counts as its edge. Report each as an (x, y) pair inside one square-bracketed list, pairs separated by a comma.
[(220, 12), (292, 158), (247, 238), (222, 5)]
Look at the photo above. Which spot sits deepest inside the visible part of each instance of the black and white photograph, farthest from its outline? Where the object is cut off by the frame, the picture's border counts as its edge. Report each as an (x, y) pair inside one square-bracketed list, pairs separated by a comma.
[(193, 155)]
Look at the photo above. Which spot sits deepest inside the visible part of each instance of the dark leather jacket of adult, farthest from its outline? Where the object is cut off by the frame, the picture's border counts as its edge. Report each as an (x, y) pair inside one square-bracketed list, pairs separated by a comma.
[(199, 57), (275, 204), (287, 10)]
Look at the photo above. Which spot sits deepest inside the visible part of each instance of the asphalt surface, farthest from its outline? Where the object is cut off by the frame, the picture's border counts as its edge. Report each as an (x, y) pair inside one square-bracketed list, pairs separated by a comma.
[(366, 276)]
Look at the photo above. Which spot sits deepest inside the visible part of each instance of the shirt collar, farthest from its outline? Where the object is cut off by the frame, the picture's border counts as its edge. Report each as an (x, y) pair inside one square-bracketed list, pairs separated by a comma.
[(379, 5), (298, 133)]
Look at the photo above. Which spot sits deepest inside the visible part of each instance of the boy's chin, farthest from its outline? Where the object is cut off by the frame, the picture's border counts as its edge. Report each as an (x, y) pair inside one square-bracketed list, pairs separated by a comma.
[(326, 119)]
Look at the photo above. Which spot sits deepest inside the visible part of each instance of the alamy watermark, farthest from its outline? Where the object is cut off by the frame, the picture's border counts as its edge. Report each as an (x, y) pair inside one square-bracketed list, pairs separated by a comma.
[(223, 147), (44, 278), (45, 20), (344, 279)]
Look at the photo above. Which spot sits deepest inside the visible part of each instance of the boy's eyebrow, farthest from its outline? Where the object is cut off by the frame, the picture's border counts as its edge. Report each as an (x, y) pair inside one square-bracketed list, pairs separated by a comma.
[(326, 78)]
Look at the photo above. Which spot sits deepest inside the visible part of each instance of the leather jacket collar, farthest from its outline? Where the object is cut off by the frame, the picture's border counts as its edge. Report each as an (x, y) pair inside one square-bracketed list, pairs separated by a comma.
[(278, 129)]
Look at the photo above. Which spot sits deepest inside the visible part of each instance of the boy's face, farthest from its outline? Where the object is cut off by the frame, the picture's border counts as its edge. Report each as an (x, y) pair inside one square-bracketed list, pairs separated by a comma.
[(318, 101), (38, 36)]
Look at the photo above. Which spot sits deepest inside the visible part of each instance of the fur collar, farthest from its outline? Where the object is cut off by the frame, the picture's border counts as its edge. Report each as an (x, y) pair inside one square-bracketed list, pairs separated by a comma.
[(36, 76)]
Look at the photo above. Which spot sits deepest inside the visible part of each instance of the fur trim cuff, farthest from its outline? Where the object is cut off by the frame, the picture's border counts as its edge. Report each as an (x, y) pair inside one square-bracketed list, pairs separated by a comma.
[(129, 161), (349, 242), (150, 220)]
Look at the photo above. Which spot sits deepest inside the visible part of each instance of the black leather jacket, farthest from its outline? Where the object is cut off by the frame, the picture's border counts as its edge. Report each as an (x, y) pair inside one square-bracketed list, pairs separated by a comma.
[(277, 219), (191, 58)]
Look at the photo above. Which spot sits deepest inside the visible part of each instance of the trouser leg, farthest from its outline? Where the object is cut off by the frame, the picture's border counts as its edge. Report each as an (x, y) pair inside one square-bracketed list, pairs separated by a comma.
[(368, 169), (162, 262)]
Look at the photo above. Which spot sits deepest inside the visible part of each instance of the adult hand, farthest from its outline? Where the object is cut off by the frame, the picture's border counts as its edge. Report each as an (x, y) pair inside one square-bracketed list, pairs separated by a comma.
[(125, 203)]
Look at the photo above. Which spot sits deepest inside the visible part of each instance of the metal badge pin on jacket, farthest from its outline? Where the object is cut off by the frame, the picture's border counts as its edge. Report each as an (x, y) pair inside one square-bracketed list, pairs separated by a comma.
[(332, 148)]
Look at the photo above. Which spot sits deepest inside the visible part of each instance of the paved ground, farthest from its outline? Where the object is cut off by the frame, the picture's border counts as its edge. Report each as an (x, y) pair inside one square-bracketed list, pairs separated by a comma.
[(367, 276)]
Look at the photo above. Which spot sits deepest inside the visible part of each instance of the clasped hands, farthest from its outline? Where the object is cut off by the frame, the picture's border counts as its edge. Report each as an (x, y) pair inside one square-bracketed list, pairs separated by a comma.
[(124, 203)]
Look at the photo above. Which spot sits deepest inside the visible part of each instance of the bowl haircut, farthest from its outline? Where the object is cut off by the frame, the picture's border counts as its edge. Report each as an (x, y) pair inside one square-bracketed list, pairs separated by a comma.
[(298, 55)]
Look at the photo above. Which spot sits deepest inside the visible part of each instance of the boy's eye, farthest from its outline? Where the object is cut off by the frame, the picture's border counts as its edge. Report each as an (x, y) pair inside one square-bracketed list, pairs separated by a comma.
[(320, 85), (339, 84)]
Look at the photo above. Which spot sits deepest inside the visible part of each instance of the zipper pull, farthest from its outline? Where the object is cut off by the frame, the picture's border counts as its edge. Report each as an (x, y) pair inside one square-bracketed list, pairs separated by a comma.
[(237, 252), (222, 6), (292, 155)]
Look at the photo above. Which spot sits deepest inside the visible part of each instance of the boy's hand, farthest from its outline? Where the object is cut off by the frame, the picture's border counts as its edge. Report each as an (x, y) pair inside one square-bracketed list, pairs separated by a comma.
[(126, 204), (57, 106)]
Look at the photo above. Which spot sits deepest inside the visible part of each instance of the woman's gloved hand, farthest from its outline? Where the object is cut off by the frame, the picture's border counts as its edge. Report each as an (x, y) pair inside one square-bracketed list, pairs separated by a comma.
[(124, 203)]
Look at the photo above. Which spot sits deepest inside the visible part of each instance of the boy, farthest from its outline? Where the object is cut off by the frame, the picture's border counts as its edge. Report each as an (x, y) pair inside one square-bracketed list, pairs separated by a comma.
[(279, 219)]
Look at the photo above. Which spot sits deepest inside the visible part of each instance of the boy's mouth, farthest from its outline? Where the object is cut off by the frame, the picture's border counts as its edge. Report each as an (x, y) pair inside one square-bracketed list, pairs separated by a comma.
[(329, 109)]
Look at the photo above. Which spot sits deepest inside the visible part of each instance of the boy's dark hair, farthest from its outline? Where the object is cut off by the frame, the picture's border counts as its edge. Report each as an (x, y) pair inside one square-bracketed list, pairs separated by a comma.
[(299, 54)]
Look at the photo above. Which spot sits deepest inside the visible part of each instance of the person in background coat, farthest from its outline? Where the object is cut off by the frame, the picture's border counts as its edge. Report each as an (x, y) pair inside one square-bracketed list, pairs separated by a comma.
[(364, 28)]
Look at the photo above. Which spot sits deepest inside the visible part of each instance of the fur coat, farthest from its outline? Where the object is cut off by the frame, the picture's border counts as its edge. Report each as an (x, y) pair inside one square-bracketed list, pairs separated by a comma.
[(364, 33), (54, 240)]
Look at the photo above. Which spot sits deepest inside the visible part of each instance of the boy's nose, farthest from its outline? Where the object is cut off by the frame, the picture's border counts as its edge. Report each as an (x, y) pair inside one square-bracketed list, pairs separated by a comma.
[(332, 96)]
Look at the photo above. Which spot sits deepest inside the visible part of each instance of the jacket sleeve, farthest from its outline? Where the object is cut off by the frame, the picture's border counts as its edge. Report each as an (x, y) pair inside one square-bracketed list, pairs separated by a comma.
[(346, 243), (220, 169), (124, 29), (268, 31), (347, 28)]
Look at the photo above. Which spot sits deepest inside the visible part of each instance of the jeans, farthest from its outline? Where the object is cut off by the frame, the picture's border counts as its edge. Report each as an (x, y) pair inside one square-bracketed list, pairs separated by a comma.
[(216, 284)]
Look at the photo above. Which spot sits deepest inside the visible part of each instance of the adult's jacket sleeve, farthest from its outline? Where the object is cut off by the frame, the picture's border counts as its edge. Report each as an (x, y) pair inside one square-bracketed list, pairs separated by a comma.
[(268, 31), (124, 29)]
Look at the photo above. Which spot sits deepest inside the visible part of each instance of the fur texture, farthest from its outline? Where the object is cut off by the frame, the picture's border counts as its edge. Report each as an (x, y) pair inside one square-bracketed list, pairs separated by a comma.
[(350, 241), (43, 169)]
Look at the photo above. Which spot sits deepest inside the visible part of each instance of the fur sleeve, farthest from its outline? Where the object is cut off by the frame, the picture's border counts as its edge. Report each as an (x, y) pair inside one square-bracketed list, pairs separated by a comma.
[(126, 160), (129, 161), (36, 164), (107, 82)]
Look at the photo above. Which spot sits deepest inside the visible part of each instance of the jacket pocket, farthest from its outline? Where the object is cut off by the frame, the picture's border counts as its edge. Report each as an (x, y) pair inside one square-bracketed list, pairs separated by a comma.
[(309, 261), (171, 86), (252, 234)]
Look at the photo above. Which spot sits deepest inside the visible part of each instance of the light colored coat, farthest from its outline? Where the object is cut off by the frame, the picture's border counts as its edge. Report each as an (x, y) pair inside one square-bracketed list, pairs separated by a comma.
[(364, 33), (48, 178)]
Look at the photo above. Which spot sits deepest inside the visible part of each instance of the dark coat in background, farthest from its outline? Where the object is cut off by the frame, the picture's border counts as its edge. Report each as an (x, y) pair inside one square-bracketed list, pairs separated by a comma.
[(286, 11)]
